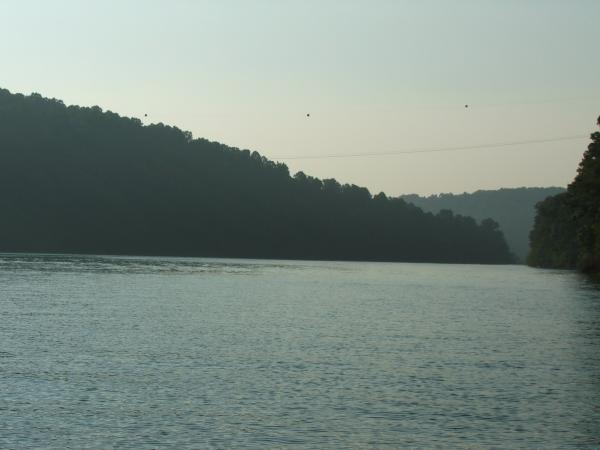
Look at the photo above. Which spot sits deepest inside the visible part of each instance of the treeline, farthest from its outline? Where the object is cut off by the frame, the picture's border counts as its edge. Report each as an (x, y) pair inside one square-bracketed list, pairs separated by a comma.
[(512, 208), (567, 226), (81, 180)]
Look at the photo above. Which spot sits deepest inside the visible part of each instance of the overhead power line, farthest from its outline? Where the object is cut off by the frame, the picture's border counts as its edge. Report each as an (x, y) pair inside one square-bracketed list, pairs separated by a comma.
[(536, 102), (437, 149)]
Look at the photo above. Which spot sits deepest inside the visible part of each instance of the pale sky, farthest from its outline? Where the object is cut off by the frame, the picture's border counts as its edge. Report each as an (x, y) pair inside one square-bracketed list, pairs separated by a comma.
[(375, 76)]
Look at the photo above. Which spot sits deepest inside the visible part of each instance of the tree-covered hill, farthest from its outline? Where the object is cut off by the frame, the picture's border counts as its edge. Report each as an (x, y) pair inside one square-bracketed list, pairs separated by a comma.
[(513, 209), (567, 226), (82, 180)]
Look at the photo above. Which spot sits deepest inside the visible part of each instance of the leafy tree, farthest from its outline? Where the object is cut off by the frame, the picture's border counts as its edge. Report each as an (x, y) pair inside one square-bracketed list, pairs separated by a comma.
[(83, 180), (567, 226), (512, 208)]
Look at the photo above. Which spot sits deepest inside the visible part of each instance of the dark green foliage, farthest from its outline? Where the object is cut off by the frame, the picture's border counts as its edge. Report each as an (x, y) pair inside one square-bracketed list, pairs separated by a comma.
[(82, 180), (553, 242), (514, 209), (567, 226)]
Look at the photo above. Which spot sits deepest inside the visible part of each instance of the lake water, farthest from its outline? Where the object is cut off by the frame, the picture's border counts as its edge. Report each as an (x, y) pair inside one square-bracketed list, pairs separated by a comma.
[(157, 353)]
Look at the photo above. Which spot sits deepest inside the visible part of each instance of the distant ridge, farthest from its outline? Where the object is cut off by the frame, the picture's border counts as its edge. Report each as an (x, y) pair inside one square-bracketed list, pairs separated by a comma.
[(82, 180), (512, 208)]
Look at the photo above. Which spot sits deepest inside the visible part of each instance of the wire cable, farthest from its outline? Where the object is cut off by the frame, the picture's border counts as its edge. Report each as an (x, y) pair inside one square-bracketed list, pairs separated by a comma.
[(437, 149)]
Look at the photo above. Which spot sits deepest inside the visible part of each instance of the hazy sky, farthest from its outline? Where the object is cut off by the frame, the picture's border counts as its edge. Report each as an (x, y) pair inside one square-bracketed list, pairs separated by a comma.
[(375, 76)]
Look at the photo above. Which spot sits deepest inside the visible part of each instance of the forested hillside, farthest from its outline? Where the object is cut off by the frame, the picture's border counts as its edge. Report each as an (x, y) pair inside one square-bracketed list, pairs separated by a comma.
[(567, 226), (81, 180), (513, 209)]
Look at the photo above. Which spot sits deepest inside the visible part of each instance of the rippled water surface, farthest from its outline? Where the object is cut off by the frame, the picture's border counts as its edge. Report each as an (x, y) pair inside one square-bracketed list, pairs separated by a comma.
[(144, 353)]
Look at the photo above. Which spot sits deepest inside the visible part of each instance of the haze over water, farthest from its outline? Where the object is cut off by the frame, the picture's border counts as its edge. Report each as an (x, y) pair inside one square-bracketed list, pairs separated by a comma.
[(140, 353)]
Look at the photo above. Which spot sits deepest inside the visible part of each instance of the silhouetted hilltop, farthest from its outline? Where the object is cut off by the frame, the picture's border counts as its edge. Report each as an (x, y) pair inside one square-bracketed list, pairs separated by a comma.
[(513, 209), (82, 180), (566, 234)]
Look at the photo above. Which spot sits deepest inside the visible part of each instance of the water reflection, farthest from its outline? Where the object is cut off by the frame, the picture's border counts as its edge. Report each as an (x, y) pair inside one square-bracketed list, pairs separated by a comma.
[(104, 352), (132, 264)]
